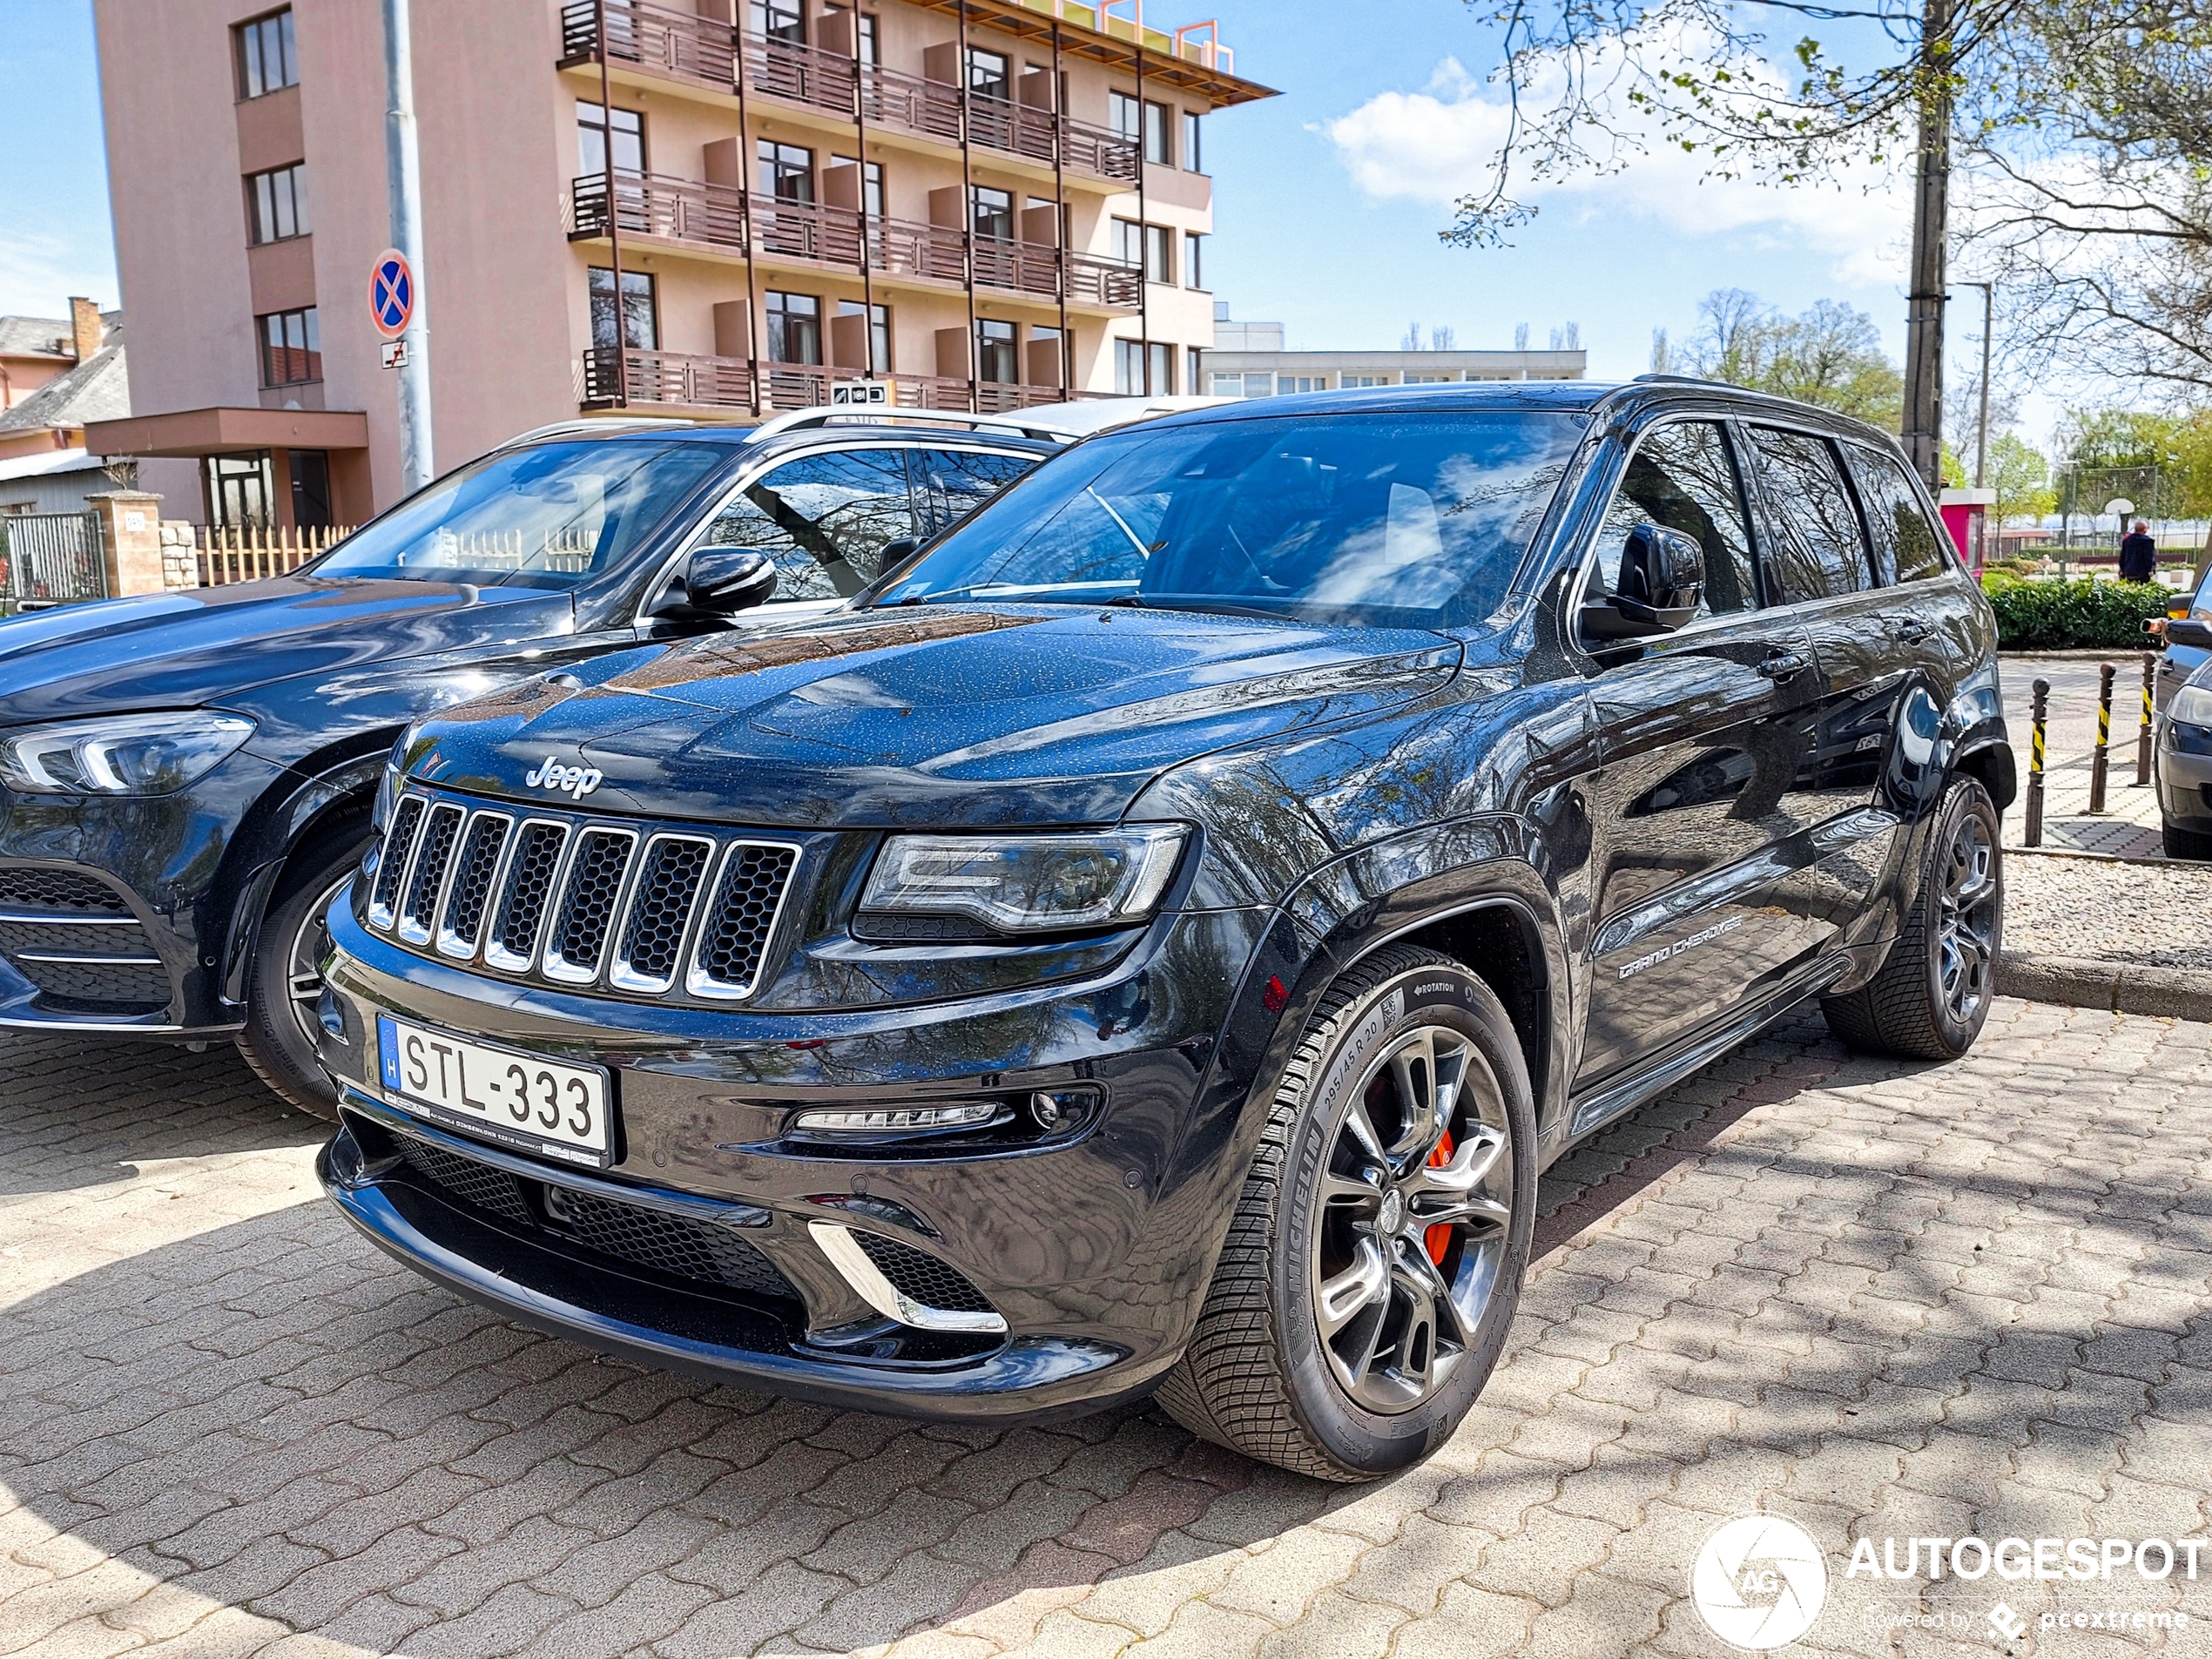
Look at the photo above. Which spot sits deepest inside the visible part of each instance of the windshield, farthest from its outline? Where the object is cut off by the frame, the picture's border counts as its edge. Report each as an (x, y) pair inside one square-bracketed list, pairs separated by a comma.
[(1386, 520), (548, 516)]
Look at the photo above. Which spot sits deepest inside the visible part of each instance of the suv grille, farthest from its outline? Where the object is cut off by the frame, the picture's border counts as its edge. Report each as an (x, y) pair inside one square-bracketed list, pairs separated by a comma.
[(580, 901)]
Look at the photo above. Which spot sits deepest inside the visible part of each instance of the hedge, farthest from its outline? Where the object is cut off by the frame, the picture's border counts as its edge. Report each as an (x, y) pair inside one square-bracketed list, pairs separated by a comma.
[(2073, 616)]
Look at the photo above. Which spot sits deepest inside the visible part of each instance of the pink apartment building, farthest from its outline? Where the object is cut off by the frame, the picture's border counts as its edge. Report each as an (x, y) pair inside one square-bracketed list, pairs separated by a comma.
[(988, 203)]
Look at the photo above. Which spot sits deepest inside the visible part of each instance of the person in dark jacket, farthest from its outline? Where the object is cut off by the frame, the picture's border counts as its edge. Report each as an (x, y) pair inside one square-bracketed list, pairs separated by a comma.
[(2138, 555)]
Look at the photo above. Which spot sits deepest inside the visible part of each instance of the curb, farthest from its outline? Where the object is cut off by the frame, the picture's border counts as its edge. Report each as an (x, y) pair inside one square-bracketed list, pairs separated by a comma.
[(2094, 982), (2108, 656)]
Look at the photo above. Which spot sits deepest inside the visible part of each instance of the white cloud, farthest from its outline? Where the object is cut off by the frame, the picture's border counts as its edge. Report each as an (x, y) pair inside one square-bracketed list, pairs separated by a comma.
[(1439, 143), (39, 271)]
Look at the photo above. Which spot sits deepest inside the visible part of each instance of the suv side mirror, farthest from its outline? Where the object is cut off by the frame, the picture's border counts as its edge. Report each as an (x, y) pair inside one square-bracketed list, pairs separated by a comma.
[(1663, 577), (893, 551), (725, 579), (2188, 630)]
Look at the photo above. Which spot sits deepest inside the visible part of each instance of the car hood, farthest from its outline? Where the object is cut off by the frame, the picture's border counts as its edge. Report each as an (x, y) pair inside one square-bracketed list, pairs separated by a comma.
[(206, 644), (953, 717)]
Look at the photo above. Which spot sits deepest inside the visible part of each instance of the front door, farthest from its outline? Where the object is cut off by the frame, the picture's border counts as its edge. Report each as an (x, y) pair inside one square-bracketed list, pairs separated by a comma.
[(1704, 737)]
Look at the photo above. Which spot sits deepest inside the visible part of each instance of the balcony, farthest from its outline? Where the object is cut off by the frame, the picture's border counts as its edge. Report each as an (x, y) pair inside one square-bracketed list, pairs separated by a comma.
[(703, 52), (667, 377), (716, 220), (726, 383)]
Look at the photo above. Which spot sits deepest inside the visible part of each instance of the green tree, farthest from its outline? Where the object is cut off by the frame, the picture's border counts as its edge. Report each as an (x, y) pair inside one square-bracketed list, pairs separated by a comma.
[(2020, 474), (1829, 354)]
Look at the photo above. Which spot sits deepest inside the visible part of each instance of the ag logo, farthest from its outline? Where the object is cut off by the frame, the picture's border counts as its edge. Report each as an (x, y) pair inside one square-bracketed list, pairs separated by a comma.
[(577, 781), (1759, 1581)]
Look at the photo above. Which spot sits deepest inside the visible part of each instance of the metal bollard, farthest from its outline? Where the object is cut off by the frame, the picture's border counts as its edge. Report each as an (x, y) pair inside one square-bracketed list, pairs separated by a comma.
[(2143, 733), (2035, 764), (2100, 763)]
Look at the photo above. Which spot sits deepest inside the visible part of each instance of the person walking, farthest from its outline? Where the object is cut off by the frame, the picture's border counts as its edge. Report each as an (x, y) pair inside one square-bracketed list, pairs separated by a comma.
[(2139, 554)]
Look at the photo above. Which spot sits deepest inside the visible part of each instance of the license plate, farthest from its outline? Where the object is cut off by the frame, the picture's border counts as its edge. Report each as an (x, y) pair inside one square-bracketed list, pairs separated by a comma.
[(502, 1094)]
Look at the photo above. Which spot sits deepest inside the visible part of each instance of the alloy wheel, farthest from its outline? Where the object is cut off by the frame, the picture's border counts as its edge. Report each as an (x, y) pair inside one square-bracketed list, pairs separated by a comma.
[(303, 962), (1414, 1211), (1966, 937)]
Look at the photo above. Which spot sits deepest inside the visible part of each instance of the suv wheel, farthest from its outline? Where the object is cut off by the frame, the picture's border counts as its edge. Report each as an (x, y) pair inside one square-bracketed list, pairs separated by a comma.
[(2180, 843), (1932, 997), (1376, 1254), (286, 982)]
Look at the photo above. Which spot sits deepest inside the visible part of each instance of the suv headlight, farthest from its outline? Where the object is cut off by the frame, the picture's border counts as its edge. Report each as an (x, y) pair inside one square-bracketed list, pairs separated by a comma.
[(134, 754), (2192, 705), (1027, 884)]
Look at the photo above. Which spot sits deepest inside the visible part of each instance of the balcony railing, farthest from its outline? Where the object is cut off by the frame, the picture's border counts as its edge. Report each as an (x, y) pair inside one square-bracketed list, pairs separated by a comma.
[(716, 218), (667, 377), (680, 45), (727, 383), (702, 51)]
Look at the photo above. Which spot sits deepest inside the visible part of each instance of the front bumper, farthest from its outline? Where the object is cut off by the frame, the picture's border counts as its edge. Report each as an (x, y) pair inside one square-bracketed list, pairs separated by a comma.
[(1091, 1252)]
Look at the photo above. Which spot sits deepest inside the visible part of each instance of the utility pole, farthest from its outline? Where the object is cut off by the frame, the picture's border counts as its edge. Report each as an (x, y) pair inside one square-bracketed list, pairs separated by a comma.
[(403, 185), (1981, 422), (1931, 206)]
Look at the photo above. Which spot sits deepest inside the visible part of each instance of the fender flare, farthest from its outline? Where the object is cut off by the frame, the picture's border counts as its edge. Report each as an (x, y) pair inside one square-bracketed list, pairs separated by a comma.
[(313, 800)]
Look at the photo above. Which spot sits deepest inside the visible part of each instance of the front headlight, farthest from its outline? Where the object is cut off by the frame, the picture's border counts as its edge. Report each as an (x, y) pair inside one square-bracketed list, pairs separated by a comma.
[(1027, 884), (133, 754), (2192, 705)]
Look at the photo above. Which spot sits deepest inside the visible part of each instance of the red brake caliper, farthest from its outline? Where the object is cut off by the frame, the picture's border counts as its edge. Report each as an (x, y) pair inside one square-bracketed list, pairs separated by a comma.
[(1439, 1238)]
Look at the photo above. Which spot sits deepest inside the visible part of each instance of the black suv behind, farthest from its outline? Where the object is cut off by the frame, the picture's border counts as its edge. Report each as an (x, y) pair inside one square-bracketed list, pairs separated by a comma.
[(1153, 939), (185, 776)]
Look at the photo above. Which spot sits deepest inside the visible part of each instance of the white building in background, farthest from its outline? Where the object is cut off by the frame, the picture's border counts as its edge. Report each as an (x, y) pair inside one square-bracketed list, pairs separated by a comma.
[(1248, 360)]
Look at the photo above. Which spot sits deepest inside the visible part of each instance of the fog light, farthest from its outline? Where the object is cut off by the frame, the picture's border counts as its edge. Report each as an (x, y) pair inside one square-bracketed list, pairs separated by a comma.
[(329, 1016), (1056, 1109), (896, 1120)]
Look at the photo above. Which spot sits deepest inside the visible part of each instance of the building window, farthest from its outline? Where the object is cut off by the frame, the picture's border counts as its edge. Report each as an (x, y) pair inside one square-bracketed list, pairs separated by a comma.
[(997, 361), (239, 489), (291, 347), (1196, 358), (592, 140), (1159, 253), (1128, 367), (278, 202), (878, 333), (794, 328), (871, 186), (1191, 162), (266, 59), (1121, 115), (867, 34), (640, 328), (1300, 383), (1363, 380), (1161, 381), (991, 214), (1129, 241), (1159, 126), (1193, 259), (780, 20), (786, 172), (987, 76)]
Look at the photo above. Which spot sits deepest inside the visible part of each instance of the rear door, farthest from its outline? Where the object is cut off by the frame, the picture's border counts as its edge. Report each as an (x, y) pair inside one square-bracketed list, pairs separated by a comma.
[(1704, 734), (1869, 645)]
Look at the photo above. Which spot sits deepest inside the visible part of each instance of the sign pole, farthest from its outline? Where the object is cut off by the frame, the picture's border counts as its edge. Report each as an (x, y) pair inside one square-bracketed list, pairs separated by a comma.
[(403, 187)]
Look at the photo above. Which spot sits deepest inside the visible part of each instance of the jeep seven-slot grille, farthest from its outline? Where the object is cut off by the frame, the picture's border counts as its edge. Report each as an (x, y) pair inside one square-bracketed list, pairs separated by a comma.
[(580, 901)]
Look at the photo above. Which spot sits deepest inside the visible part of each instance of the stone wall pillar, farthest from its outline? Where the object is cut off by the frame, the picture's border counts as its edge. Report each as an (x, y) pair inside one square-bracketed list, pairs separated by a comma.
[(179, 556), (130, 540)]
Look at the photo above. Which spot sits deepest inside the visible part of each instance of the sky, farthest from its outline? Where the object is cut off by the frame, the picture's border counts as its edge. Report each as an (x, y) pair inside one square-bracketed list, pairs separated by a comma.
[(1327, 200)]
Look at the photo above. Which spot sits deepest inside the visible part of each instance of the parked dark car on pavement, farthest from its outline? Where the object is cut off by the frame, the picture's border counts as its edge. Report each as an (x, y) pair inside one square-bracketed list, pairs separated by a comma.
[(186, 779), (1153, 939), (2182, 754)]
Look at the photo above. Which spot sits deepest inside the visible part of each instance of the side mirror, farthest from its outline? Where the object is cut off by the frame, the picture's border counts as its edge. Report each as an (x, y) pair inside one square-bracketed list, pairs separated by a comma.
[(725, 579), (1663, 577), (893, 551), (2188, 630)]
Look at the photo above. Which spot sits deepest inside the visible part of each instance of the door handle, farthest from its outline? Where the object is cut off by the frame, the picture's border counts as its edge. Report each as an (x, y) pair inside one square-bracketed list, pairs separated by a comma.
[(1910, 630), (1779, 666)]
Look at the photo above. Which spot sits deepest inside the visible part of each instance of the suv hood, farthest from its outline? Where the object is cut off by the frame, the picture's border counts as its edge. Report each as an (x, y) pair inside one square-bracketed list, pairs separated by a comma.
[(954, 717), (205, 644)]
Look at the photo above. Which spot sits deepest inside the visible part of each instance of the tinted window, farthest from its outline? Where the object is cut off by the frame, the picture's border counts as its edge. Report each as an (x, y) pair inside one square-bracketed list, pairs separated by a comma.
[(547, 516), (1380, 519), (822, 518), (1818, 548), (1680, 477), (960, 481), (1907, 548)]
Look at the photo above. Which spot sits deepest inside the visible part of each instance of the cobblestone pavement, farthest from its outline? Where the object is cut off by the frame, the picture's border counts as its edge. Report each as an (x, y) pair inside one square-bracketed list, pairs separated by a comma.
[(1882, 1299), (2128, 825)]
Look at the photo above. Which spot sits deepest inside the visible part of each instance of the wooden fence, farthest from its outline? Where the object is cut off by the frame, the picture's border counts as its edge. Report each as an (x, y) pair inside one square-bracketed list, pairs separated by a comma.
[(248, 552)]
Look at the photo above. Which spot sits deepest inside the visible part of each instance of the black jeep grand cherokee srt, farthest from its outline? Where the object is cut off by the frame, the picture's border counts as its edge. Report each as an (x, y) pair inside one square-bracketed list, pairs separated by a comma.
[(1153, 937)]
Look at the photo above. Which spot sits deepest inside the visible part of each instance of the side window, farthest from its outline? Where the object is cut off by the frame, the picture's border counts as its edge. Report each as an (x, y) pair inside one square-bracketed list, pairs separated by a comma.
[(1906, 547), (823, 518), (957, 481), (1819, 550), (1680, 477)]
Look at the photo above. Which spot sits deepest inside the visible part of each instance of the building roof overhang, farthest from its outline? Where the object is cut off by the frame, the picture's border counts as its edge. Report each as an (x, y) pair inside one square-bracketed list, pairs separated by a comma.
[(228, 431), (1113, 45)]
